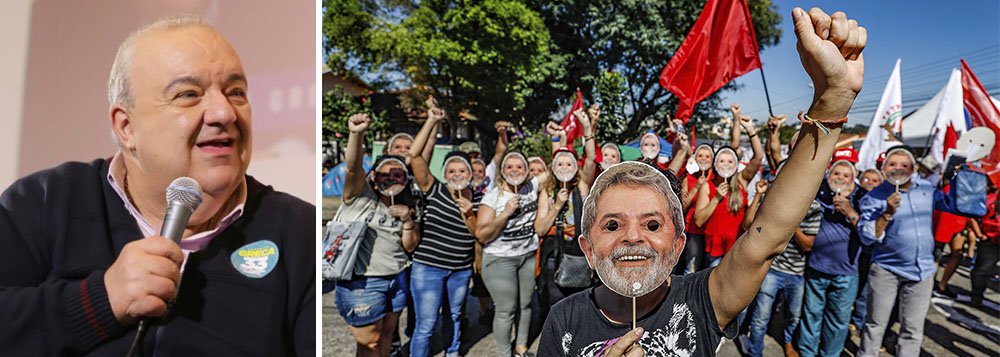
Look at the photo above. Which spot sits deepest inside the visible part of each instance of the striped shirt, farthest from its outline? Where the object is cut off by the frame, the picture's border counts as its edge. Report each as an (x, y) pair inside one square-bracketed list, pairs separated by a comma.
[(792, 260), (445, 240)]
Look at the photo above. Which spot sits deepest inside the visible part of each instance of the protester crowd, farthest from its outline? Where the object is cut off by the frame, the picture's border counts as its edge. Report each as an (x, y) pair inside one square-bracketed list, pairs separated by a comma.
[(505, 231)]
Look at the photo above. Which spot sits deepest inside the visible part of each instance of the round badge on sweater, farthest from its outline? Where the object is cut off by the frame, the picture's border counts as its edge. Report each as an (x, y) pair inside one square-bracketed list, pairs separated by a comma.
[(257, 259)]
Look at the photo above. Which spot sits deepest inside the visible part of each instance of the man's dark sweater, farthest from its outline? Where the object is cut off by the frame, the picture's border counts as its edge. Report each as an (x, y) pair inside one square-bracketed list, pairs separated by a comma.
[(60, 229)]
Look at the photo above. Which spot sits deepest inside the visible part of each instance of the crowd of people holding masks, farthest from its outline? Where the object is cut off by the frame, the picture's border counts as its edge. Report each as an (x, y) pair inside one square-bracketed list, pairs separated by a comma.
[(505, 230)]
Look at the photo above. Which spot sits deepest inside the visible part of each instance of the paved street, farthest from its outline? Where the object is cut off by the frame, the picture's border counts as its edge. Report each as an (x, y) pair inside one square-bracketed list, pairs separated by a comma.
[(953, 327)]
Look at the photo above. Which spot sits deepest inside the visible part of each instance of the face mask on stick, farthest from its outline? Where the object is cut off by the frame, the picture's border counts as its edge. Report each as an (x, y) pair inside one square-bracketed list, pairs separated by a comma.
[(564, 167), (725, 163)]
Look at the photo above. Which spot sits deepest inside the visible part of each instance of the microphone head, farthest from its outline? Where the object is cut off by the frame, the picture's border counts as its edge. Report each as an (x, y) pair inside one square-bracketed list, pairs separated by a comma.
[(185, 191)]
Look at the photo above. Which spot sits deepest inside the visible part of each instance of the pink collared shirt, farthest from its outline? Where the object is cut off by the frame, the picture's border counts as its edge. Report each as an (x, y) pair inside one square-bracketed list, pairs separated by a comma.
[(190, 244)]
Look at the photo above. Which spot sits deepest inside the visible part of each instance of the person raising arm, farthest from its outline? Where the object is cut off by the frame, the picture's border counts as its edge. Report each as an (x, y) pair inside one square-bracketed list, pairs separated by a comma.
[(830, 50)]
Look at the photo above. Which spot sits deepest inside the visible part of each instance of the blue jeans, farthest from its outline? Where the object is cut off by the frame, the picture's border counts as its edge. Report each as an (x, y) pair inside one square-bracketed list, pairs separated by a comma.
[(428, 285), (792, 286), (367, 299), (860, 307), (827, 311)]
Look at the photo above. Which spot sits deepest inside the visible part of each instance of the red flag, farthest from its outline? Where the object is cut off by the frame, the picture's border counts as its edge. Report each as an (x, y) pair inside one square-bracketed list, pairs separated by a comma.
[(720, 47), (981, 109), (569, 123), (950, 140)]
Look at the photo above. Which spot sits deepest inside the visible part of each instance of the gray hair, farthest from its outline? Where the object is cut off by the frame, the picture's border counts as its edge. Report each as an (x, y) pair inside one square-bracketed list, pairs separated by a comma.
[(119, 83), (878, 172), (854, 170), (501, 183), (392, 139), (459, 159), (901, 151), (633, 174)]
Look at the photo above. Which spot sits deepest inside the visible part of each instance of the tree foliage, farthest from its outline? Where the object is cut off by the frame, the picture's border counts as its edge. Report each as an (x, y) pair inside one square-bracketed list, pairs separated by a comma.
[(338, 106), (519, 60), (532, 142), (634, 39), (482, 56)]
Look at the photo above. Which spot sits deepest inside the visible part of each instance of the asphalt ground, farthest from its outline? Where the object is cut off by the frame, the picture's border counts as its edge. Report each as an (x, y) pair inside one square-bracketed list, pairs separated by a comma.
[(953, 328)]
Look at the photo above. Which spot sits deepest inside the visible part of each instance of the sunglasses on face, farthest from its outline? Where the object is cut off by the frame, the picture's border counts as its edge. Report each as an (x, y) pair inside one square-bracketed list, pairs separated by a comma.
[(393, 175)]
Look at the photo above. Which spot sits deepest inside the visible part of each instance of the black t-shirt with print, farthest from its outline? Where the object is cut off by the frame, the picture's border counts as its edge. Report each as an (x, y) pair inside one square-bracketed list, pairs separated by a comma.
[(683, 324)]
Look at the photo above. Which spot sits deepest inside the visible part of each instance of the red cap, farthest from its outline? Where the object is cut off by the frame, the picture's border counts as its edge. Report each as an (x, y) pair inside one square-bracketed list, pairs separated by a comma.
[(847, 154)]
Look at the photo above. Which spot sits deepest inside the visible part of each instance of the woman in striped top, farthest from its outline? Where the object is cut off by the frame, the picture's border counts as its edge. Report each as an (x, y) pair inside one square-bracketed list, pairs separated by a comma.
[(442, 262)]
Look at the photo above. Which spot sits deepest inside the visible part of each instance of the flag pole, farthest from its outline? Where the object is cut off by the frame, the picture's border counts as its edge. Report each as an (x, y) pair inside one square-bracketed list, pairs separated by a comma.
[(766, 94)]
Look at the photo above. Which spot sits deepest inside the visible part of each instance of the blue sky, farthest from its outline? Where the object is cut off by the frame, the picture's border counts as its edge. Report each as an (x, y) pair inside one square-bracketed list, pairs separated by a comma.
[(929, 36)]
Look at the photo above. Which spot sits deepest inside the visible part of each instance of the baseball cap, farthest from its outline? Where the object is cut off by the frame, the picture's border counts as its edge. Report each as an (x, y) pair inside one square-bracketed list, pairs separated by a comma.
[(469, 147), (846, 154)]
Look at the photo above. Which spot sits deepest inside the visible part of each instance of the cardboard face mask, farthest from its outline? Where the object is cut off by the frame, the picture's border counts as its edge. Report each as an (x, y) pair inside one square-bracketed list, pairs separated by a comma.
[(390, 190), (633, 282), (455, 178), (726, 164), (649, 146), (898, 177), (703, 156), (390, 183), (513, 177), (838, 184), (458, 182), (564, 167)]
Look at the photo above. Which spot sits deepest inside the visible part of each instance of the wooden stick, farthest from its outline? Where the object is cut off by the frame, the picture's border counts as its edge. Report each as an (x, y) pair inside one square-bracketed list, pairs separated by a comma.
[(635, 292), (633, 312)]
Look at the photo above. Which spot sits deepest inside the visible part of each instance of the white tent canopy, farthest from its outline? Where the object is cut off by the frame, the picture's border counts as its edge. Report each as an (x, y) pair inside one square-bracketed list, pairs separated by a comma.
[(918, 126)]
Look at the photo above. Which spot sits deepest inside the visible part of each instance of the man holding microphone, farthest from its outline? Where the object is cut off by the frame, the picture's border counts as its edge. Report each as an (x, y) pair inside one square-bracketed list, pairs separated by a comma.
[(79, 274)]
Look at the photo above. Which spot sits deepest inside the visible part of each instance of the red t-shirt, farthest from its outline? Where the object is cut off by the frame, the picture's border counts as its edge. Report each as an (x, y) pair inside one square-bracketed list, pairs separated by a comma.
[(991, 221), (689, 225), (723, 227)]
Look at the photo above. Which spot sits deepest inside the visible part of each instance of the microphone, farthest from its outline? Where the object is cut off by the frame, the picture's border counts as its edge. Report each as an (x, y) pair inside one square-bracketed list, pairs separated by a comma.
[(183, 198)]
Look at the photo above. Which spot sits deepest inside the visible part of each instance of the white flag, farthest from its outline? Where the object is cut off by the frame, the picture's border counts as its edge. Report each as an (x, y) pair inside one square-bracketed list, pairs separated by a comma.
[(889, 112), (950, 111)]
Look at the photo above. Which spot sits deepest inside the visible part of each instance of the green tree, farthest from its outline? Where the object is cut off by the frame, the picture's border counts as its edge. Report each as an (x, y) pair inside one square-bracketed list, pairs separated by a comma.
[(518, 60), (532, 142), (486, 57), (610, 91), (338, 106), (634, 39)]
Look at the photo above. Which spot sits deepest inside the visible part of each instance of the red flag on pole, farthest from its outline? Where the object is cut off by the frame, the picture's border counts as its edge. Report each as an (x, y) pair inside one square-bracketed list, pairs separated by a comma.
[(569, 123), (981, 109), (720, 47), (950, 140)]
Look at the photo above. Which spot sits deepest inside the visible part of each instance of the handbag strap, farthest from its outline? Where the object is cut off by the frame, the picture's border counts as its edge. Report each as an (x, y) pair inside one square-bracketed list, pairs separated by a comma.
[(577, 210), (559, 244)]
